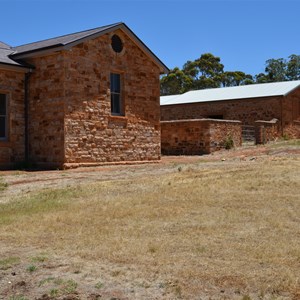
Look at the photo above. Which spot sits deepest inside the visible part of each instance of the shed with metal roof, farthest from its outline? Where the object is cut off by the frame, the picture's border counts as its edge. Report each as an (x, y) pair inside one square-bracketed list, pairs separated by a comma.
[(248, 104), (201, 121), (231, 93)]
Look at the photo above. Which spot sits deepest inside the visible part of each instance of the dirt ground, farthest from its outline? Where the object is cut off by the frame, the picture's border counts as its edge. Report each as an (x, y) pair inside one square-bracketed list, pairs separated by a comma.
[(18, 277), (22, 182)]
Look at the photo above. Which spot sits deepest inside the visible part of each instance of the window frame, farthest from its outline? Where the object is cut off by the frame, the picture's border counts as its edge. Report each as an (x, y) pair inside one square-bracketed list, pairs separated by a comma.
[(116, 91), (5, 116)]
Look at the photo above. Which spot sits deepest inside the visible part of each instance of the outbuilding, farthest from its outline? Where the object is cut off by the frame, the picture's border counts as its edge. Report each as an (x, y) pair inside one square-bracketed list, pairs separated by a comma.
[(275, 106)]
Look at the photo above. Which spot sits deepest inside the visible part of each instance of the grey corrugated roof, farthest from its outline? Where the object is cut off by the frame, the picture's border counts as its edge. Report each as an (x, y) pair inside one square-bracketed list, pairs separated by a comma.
[(61, 40), (169, 98), (230, 93)]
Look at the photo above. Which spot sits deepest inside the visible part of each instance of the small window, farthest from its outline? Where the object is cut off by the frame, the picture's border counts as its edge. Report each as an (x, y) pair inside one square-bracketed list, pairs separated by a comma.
[(115, 94), (3, 117), (116, 43)]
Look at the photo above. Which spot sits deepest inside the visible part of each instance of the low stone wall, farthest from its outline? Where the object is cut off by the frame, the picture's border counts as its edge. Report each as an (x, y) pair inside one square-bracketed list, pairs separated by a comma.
[(198, 136), (266, 131), (292, 130)]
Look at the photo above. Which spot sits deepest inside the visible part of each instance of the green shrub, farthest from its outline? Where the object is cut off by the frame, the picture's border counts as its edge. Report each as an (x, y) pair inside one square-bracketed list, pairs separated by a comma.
[(31, 268), (286, 137), (228, 142)]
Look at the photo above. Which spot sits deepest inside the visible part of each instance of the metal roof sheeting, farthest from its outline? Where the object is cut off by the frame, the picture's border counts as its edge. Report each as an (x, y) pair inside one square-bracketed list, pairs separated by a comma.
[(231, 93), (166, 99)]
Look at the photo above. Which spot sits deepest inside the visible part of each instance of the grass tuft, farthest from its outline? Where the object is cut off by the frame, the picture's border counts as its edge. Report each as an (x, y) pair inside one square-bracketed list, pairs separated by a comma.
[(18, 297), (3, 185), (99, 285), (31, 268), (9, 262)]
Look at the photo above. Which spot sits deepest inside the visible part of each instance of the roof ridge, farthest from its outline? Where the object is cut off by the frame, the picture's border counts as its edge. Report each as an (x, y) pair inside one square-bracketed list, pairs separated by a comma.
[(259, 90), (244, 85), (64, 35)]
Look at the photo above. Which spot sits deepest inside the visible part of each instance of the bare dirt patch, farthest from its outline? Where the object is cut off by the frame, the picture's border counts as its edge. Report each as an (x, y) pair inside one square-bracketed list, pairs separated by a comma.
[(221, 226)]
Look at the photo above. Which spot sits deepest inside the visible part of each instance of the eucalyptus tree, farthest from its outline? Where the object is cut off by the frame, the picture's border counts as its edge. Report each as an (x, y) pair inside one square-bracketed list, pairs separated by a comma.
[(176, 82)]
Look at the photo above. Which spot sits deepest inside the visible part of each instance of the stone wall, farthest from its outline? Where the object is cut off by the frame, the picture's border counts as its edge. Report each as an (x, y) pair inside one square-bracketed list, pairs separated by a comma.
[(246, 110), (291, 114), (292, 130), (284, 108), (198, 136), (12, 150), (70, 115), (92, 133), (222, 131), (266, 131), (46, 110)]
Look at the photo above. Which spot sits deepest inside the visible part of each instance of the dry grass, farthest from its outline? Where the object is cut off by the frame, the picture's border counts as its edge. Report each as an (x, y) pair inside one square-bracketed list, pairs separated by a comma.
[(232, 228)]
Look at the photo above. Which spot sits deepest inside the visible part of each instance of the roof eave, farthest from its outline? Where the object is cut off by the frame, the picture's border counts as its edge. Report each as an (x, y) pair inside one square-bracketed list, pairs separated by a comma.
[(38, 52), (163, 68), (219, 100), (291, 90), (13, 67), (58, 47)]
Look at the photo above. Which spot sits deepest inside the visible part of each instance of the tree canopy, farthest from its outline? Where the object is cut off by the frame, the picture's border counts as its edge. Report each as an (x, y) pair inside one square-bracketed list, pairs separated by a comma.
[(207, 71)]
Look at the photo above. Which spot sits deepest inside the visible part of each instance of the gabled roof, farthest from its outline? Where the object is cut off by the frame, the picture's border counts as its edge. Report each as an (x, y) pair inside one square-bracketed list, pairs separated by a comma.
[(231, 93), (4, 46), (63, 40), (5, 60), (70, 40)]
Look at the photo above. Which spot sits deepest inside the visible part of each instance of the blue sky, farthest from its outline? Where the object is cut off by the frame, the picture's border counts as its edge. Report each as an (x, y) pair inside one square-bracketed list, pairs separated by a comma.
[(244, 33)]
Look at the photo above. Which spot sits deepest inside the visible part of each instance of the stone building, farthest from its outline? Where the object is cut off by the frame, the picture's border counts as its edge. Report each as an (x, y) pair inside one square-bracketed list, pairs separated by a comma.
[(86, 98), (255, 104)]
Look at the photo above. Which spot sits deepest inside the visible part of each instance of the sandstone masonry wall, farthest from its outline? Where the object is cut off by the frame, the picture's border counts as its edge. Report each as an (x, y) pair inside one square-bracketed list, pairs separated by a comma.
[(245, 110), (222, 130), (46, 110), (198, 136), (266, 131), (284, 108), (291, 114), (12, 150), (92, 133)]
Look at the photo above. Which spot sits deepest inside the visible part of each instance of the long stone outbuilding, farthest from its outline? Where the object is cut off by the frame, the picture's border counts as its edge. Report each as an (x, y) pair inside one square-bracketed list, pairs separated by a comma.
[(86, 98), (273, 108)]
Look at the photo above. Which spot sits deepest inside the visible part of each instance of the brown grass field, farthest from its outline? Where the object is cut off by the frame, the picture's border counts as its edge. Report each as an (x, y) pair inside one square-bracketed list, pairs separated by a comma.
[(223, 226)]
